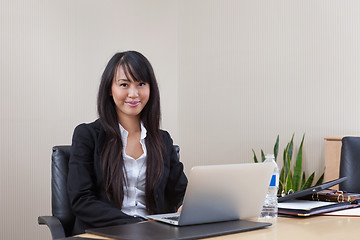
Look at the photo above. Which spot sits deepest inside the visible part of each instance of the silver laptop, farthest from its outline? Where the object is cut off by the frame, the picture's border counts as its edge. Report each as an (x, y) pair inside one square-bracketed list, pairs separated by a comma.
[(218, 193)]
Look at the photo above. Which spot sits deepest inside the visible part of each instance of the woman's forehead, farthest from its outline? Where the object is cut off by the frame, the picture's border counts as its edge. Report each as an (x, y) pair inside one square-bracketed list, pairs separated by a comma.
[(123, 73)]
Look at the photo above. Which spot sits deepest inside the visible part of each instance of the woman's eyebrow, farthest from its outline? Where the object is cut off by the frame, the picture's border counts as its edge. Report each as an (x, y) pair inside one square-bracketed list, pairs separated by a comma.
[(124, 79)]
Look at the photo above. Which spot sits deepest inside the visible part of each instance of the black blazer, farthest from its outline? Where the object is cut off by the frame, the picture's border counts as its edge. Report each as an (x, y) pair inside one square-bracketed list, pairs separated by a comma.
[(89, 202)]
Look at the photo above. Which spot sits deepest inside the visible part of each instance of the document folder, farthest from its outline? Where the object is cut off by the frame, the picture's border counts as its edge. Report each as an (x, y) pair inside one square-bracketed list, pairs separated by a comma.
[(305, 208), (311, 190), (155, 230), (306, 202)]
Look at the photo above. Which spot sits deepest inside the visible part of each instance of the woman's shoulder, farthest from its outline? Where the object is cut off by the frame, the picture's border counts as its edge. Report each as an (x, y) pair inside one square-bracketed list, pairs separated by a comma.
[(92, 128), (95, 125), (165, 134), (166, 138)]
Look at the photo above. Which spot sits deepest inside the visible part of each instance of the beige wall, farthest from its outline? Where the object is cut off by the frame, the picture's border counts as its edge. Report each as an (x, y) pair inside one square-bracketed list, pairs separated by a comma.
[(52, 56), (250, 70), (233, 75)]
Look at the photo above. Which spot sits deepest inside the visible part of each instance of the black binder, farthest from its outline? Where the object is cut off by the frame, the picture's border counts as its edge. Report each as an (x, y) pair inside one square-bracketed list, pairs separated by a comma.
[(310, 193), (161, 231), (311, 190)]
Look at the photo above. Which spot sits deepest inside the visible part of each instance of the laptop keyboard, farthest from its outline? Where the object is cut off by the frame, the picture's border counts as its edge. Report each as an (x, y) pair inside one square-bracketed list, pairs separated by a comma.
[(175, 218)]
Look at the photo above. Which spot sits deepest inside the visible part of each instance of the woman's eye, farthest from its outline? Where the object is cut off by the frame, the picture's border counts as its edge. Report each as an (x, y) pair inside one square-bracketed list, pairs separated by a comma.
[(142, 84), (123, 84)]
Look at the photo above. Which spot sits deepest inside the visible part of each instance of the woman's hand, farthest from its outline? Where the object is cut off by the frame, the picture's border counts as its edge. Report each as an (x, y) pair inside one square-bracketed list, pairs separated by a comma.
[(179, 209)]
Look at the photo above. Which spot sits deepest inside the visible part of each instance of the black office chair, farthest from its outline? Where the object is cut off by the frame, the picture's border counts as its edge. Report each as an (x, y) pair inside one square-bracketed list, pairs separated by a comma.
[(350, 164), (62, 221)]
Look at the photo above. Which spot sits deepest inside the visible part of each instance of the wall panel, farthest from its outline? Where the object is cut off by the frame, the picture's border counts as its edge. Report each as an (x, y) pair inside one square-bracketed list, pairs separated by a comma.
[(250, 70), (52, 57)]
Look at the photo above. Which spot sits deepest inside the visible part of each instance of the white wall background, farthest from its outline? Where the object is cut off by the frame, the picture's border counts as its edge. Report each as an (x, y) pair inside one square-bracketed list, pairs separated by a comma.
[(52, 57), (233, 74), (250, 70)]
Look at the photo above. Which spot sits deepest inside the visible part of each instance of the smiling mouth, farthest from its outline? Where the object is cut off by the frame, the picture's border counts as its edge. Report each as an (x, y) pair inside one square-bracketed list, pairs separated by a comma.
[(133, 103)]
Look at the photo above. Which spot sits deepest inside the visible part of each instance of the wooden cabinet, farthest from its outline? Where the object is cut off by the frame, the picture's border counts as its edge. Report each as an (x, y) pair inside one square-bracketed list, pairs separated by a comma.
[(332, 158)]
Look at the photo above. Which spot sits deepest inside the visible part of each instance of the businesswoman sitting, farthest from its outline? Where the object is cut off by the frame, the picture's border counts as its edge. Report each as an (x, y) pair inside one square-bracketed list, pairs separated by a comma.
[(122, 166)]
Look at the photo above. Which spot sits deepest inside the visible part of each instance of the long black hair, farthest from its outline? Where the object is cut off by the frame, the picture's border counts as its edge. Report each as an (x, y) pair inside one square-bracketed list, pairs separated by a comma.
[(139, 68)]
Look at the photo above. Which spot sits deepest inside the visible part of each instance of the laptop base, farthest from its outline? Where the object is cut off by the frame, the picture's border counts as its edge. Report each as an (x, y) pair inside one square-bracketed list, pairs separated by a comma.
[(156, 230)]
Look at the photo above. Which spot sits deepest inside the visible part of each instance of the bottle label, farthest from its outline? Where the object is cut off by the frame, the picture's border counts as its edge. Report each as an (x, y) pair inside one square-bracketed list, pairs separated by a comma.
[(273, 181)]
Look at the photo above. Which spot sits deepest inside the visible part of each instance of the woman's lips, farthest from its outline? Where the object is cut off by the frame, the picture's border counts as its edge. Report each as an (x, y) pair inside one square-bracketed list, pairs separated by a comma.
[(133, 103)]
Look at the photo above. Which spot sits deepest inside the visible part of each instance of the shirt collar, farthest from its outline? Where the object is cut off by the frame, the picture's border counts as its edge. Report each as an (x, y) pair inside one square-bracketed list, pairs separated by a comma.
[(125, 133)]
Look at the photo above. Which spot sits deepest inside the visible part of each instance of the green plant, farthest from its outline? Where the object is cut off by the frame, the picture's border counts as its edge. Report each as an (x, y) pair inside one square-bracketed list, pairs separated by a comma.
[(291, 180)]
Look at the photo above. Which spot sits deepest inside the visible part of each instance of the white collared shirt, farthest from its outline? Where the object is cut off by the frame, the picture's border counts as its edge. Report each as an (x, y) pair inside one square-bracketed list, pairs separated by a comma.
[(134, 191)]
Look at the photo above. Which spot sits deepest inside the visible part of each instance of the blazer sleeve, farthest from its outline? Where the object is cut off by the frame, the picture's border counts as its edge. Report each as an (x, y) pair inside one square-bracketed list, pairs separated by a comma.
[(86, 195), (176, 181)]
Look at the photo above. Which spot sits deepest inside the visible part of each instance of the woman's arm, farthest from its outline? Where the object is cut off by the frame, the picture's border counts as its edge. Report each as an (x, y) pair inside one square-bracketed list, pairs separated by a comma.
[(85, 186), (177, 181)]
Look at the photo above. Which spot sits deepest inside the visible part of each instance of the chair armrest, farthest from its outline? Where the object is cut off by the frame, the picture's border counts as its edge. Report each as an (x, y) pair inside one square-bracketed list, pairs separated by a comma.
[(54, 224)]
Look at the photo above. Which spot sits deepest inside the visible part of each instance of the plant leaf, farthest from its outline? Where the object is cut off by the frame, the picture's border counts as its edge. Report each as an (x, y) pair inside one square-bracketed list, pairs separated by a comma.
[(291, 147), (255, 158), (281, 180), (321, 179), (262, 155), (282, 176), (298, 167), (287, 179), (288, 185), (284, 154), (303, 181), (309, 181), (280, 188), (288, 163), (276, 148), (284, 161)]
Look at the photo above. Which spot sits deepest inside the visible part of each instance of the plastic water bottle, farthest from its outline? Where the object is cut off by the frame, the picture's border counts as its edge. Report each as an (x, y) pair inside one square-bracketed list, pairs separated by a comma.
[(270, 208)]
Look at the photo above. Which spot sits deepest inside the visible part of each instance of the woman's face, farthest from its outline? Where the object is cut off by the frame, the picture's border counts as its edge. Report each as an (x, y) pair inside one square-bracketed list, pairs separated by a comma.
[(130, 97)]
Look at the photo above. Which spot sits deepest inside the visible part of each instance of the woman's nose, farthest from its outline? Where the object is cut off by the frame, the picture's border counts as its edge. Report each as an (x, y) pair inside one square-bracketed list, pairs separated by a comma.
[(133, 91)]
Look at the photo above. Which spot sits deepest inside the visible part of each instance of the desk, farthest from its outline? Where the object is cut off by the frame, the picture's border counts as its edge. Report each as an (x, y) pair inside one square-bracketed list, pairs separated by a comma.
[(317, 227)]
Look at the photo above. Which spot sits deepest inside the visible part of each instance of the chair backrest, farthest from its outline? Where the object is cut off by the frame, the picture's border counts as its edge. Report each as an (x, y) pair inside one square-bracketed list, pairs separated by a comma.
[(350, 164), (61, 207)]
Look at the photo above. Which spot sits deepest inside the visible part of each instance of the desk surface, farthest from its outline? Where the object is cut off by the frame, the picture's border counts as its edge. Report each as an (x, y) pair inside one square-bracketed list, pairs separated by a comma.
[(317, 227)]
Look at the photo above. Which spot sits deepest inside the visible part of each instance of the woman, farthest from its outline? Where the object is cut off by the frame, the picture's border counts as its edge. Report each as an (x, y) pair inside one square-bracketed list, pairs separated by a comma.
[(122, 166)]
